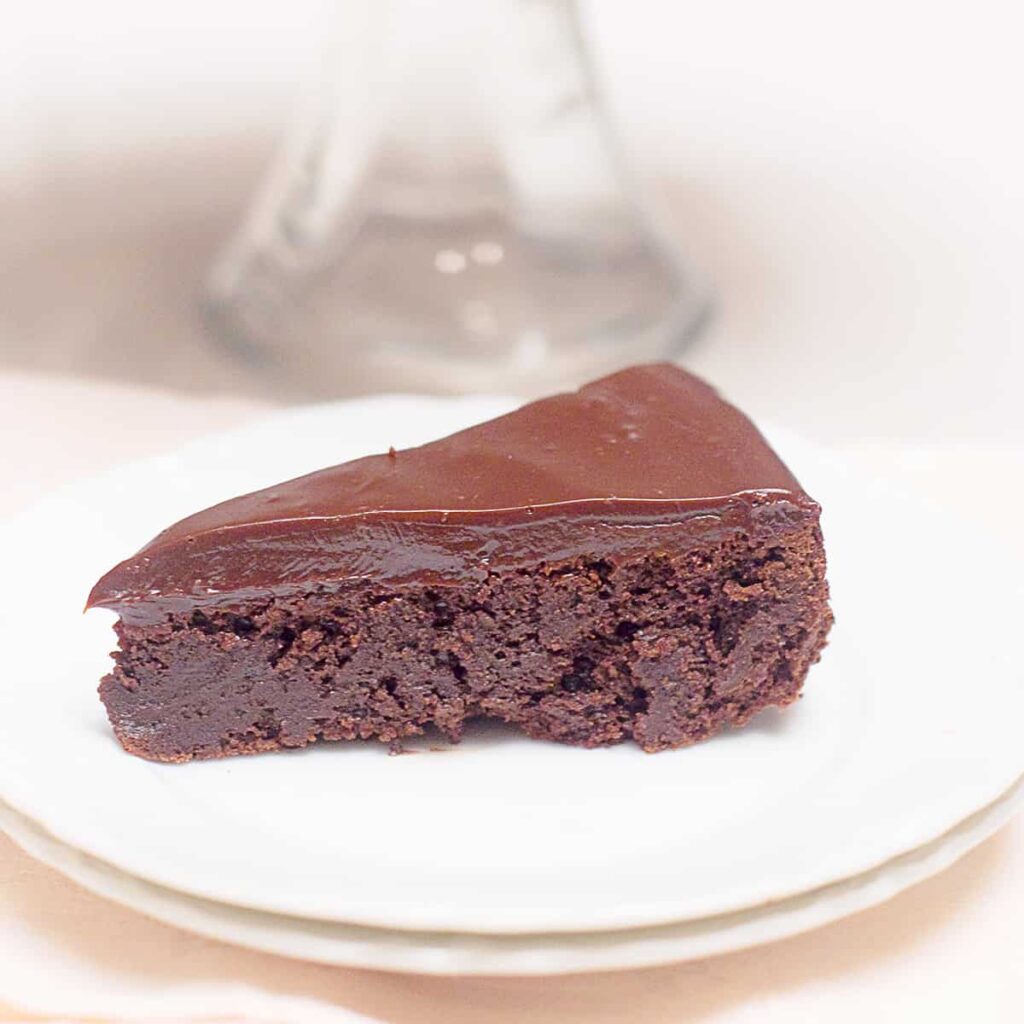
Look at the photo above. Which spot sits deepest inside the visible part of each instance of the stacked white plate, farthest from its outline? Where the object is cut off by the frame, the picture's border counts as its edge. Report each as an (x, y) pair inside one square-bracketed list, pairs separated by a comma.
[(504, 855)]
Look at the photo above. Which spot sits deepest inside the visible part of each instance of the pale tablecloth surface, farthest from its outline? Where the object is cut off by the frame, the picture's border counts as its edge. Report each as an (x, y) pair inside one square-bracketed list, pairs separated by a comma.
[(950, 949)]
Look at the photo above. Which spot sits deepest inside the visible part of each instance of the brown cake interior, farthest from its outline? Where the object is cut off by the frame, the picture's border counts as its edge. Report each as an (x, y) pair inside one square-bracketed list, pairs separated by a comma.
[(662, 646)]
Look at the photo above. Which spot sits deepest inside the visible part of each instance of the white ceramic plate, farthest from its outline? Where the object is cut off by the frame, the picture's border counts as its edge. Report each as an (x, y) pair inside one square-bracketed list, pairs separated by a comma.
[(451, 953), (909, 725)]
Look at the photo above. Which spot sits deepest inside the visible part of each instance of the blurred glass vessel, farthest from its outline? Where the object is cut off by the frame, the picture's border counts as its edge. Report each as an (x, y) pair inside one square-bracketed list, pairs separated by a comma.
[(450, 213)]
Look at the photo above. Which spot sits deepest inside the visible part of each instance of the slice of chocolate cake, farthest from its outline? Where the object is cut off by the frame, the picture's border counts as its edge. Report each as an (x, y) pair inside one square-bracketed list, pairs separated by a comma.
[(631, 561)]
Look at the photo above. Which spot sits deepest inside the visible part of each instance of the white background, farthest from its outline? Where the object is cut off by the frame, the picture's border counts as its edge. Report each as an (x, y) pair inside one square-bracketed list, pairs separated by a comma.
[(850, 176)]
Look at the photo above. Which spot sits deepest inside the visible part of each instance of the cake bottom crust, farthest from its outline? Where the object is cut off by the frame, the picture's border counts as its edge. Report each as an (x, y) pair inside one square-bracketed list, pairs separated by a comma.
[(662, 648)]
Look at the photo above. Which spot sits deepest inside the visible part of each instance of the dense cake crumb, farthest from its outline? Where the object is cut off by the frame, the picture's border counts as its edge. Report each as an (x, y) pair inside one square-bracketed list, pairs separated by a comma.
[(664, 650)]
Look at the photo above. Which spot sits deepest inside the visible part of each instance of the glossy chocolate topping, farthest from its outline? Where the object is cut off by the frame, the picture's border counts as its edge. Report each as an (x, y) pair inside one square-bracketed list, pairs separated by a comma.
[(646, 449)]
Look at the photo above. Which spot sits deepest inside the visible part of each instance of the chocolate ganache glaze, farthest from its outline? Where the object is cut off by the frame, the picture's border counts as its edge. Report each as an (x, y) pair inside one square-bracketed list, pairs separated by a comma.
[(652, 448)]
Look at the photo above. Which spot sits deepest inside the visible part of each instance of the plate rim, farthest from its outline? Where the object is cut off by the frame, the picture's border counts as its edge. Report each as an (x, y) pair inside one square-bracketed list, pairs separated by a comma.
[(523, 954)]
